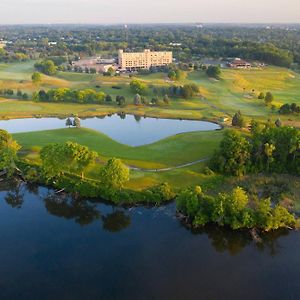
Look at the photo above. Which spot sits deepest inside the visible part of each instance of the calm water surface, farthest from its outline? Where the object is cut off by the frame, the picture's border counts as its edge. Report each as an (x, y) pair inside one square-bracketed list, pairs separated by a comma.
[(62, 248), (126, 129)]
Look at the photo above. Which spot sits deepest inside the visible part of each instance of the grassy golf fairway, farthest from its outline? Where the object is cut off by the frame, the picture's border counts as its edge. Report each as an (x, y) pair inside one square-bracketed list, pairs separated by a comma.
[(170, 152)]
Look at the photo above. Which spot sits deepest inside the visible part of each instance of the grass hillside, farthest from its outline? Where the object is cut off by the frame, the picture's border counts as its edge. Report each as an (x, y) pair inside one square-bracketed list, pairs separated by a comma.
[(170, 152)]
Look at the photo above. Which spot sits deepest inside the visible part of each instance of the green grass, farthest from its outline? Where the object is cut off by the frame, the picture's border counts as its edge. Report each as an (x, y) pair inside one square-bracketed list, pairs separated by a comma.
[(172, 151)]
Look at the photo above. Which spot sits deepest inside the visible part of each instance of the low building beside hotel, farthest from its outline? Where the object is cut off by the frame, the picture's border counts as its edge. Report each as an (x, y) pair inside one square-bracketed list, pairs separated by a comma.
[(239, 63), (144, 60)]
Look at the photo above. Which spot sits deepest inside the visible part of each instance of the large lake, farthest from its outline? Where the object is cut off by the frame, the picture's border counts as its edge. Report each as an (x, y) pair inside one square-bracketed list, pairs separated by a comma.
[(126, 129), (62, 248)]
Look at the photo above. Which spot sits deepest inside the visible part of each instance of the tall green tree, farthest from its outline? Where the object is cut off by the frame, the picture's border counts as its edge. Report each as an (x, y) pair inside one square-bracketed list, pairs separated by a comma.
[(269, 98), (8, 152), (59, 158), (138, 87), (36, 78), (114, 174), (233, 158)]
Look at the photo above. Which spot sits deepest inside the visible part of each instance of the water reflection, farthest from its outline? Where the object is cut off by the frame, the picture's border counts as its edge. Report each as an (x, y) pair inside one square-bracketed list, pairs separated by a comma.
[(126, 129), (115, 219), (15, 196), (82, 212)]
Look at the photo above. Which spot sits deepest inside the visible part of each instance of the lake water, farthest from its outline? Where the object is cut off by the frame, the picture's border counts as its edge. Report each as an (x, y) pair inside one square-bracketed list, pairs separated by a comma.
[(62, 248), (127, 129)]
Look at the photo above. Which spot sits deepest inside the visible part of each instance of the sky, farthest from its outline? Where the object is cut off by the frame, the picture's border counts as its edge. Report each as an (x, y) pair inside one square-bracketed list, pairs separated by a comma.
[(148, 11)]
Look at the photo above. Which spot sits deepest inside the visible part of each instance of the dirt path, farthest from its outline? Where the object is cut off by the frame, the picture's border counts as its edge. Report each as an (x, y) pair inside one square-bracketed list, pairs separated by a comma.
[(170, 168)]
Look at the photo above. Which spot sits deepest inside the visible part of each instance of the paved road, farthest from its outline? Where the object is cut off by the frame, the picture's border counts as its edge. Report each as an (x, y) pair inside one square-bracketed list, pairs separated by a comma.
[(170, 168)]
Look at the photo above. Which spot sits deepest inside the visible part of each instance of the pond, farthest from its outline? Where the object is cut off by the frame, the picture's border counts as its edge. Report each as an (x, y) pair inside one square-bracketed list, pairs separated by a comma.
[(126, 129), (60, 248)]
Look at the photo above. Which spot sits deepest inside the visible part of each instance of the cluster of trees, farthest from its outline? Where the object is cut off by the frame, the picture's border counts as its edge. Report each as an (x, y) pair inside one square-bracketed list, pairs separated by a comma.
[(69, 95), (60, 159), (9, 92), (19, 94), (8, 152), (7, 56), (74, 122), (185, 91), (268, 148), (289, 109), (46, 66), (214, 72), (138, 87), (36, 77), (268, 97), (232, 209), (179, 91), (176, 74), (238, 120)]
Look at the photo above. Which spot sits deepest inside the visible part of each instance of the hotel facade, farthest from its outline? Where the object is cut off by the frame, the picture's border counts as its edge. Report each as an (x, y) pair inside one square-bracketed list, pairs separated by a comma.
[(144, 60)]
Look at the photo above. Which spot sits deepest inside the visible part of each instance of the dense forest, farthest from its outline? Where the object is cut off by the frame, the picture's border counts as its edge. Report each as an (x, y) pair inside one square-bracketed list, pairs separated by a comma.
[(278, 45)]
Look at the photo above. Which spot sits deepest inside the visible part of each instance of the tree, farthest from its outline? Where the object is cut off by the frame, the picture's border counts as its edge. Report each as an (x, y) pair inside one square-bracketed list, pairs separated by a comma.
[(261, 96), (81, 157), (269, 149), (108, 98), (114, 174), (76, 122), (36, 78), (166, 99), (233, 158), (269, 98), (214, 72), (47, 67), (172, 75), (238, 120), (69, 122), (120, 100), (138, 87), (189, 90), (278, 123), (60, 158), (8, 152), (137, 100)]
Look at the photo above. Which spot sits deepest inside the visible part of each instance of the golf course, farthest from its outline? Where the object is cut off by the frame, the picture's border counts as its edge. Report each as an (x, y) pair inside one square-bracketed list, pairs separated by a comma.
[(217, 101)]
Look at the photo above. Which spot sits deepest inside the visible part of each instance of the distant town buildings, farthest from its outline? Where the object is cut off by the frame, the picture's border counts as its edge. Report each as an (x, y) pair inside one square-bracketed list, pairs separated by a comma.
[(144, 60)]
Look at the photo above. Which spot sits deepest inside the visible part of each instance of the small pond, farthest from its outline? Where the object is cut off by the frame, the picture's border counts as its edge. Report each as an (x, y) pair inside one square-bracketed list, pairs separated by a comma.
[(56, 247), (126, 129)]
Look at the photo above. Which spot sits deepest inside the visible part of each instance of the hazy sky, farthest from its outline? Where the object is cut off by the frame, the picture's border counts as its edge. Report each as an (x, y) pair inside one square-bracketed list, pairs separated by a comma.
[(142, 11)]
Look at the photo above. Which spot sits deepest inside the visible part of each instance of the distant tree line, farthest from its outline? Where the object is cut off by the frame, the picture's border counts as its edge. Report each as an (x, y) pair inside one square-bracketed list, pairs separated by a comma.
[(69, 95), (289, 109)]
